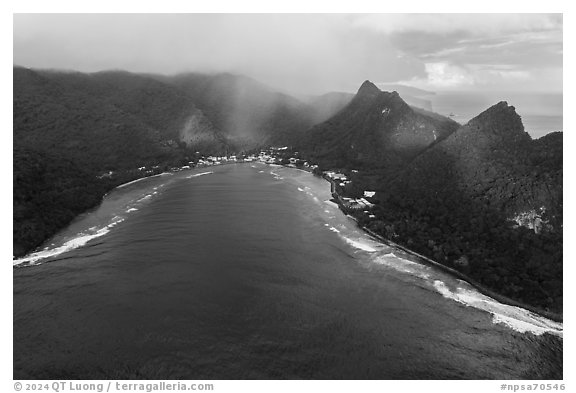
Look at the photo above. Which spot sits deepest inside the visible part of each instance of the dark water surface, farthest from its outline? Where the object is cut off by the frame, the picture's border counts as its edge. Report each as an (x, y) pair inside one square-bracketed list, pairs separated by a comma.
[(248, 273)]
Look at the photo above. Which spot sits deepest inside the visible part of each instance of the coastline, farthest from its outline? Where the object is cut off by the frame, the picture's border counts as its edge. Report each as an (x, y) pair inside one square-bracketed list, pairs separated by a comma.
[(141, 178), (479, 287), (33, 254), (418, 257), (427, 261), (376, 306)]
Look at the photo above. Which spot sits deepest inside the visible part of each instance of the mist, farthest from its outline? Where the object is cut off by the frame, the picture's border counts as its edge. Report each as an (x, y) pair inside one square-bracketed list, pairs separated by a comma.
[(307, 53)]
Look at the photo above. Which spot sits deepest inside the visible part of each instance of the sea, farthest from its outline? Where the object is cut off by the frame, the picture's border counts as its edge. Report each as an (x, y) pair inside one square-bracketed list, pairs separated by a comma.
[(249, 271)]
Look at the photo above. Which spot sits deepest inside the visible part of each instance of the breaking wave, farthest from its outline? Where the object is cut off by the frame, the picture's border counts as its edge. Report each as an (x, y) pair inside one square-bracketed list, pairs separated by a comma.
[(84, 236), (198, 174), (79, 241), (513, 317), (516, 318)]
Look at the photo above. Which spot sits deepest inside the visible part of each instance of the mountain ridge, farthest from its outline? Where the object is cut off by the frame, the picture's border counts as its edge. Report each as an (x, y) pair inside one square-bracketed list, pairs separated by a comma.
[(487, 201), (375, 128), (482, 197), (113, 122)]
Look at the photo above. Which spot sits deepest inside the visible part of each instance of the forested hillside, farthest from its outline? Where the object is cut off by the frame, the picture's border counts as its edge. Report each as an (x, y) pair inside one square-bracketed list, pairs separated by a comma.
[(487, 201), (76, 135), (70, 129), (483, 198), (376, 130)]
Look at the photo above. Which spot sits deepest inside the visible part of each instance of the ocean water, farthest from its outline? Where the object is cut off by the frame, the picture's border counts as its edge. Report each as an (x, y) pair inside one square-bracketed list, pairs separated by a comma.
[(248, 271), (540, 113)]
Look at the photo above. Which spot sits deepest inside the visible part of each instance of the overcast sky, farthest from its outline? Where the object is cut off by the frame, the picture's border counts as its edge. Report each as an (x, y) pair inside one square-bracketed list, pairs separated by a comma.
[(308, 53)]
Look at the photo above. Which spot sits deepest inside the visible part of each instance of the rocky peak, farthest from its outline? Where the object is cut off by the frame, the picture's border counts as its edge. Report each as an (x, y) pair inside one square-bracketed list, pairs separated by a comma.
[(394, 99), (368, 89), (500, 119)]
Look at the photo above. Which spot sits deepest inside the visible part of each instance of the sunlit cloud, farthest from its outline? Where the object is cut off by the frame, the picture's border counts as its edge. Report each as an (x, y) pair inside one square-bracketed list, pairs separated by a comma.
[(447, 75)]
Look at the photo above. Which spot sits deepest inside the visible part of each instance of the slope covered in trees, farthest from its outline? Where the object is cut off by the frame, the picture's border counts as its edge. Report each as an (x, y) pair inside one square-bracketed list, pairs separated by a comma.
[(376, 130), (70, 129), (81, 126), (461, 201), (49, 191), (483, 198), (59, 113)]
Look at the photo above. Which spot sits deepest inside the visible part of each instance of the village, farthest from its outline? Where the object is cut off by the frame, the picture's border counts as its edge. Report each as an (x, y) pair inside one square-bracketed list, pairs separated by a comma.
[(284, 156), (340, 183)]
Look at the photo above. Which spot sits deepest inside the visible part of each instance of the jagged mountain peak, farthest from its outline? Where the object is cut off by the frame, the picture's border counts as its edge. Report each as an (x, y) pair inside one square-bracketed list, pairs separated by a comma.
[(376, 127), (500, 109), (500, 119), (370, 96), (368, 89)]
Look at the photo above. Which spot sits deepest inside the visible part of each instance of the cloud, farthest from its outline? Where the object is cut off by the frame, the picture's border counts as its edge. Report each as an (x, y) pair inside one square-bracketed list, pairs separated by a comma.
[(304, 53), (519, 52), (297, 52), (467, 24), (448, 75)]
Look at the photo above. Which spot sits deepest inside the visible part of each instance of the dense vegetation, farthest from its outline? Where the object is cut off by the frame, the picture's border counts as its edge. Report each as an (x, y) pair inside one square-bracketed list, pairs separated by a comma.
[(446, 191), (480, 242), (49, 191), (454, 203), (375, 131), (70, 128)]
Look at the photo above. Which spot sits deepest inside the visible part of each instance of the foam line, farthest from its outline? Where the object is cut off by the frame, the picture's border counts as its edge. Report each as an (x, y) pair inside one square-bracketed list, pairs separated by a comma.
[(198, 174), (131, 182), (71, 244), (359, 244), (143, 178), (513, 317)]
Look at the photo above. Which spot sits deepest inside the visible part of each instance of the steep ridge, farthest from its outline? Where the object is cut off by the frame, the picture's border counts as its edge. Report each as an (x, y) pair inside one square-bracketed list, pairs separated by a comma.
[(483, 198), (487, 200), (491, 160), (413, 96), (375, 130)]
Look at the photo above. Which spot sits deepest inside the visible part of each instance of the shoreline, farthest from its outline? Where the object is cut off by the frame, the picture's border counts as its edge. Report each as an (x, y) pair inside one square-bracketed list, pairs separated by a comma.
[(419, 257), (479, 287), (31, 254), (140, 179), (446, 269)]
